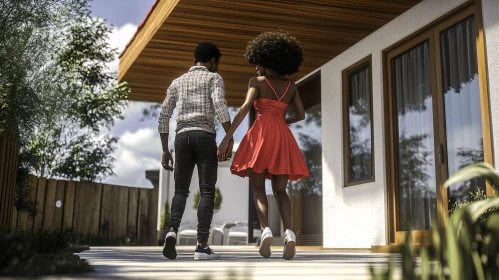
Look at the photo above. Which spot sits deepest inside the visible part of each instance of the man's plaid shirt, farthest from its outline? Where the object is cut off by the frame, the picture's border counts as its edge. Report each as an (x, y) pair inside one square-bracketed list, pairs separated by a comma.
[(198, 95)]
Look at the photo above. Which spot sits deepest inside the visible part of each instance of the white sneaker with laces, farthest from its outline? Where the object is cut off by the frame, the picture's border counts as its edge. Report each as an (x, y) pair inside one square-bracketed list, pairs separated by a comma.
[(266, 241), (289, 245)]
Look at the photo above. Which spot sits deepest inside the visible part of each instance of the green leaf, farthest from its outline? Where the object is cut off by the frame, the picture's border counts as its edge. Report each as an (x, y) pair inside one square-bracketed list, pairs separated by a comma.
[(425, 264), (454, 254), (481, 169)]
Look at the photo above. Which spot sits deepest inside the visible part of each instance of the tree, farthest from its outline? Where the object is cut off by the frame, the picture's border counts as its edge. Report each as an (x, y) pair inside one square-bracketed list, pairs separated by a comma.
[(71, 144), (312, 153), (462, 190), (56, 94), (414, 161), (27, 40)]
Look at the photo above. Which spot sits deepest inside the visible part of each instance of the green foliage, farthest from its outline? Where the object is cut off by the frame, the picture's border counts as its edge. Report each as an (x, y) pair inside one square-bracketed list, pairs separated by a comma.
[(218, 199), (79, 240), (70, 143), (44, 252), (475, 196), (165, 216), (312, 153), (56, 93), (466, 247), (50, 241)]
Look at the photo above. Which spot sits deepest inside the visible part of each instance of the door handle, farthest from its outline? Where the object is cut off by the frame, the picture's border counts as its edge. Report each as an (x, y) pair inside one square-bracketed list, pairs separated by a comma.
[(440, 153)]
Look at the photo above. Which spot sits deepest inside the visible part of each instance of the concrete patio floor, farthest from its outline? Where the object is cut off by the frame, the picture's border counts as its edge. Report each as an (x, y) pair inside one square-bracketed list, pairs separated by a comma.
[(236, 263)]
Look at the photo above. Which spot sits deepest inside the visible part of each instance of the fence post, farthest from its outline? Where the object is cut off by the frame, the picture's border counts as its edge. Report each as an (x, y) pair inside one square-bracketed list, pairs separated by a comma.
[(9, 154)]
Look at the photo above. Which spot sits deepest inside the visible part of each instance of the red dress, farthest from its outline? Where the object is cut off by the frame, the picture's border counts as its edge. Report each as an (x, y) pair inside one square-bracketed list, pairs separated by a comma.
[(269, 144)]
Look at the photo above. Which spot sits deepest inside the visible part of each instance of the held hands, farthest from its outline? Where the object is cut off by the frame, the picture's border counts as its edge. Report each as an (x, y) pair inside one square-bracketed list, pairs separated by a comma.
[(225, 149)]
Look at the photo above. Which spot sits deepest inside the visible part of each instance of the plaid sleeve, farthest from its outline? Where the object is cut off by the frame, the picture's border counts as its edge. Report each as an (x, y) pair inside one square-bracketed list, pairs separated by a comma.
[(218, 98), (167, 109)]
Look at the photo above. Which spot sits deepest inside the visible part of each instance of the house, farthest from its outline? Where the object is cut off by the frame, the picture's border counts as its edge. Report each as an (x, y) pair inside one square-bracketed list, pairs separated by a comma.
[(408, 94)]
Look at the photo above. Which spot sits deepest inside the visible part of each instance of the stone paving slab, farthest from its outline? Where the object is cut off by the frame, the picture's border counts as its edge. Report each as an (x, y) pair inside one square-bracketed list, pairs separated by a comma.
[(236, 263)]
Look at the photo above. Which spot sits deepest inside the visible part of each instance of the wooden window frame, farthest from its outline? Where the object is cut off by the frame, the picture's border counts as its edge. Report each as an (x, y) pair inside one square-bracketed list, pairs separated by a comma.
[(359, 65), (472, 7)]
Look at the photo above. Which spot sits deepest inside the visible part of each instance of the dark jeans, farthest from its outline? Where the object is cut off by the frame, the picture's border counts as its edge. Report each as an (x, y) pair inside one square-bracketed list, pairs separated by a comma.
[(195, 148)]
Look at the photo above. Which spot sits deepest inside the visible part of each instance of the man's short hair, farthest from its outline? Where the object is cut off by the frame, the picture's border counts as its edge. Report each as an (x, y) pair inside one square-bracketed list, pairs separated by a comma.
[(206, 51)]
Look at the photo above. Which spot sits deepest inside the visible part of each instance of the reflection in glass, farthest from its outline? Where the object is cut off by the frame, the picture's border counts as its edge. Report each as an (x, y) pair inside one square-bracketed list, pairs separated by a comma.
[(359, 126), (308, 192), (463, 118), (416, 161)]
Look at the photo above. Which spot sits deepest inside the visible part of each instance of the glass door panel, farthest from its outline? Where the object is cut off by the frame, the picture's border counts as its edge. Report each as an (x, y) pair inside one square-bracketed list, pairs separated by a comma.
[(461, 95), (412, 91)]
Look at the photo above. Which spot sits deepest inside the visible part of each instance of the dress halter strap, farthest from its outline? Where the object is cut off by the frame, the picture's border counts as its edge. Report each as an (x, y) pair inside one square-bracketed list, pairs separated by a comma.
[(277, 96)]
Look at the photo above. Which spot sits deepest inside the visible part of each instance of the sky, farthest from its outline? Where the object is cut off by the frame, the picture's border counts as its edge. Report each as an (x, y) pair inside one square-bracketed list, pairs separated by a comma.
[(139, 147)]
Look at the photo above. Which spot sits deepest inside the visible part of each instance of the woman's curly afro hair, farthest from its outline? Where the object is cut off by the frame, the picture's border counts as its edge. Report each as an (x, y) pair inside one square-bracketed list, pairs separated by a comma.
[(276, 50)]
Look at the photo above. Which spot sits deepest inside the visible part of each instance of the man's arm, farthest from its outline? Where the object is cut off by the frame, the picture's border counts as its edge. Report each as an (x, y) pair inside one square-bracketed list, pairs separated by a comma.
[(220, 105), (219, 102), (164, 122)]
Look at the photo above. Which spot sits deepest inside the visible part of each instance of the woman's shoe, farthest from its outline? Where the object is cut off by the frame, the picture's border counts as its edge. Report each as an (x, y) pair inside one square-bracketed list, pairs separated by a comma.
[(289, 245), (265, 243)]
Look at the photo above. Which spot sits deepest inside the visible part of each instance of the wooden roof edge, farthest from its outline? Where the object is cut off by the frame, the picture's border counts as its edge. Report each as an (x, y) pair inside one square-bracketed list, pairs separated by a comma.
[(309, 76), (153, 21)]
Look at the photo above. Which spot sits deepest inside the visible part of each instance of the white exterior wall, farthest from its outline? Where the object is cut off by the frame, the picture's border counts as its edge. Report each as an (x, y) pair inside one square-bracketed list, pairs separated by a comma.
[(356, 217), (491, 27), (234, 192)]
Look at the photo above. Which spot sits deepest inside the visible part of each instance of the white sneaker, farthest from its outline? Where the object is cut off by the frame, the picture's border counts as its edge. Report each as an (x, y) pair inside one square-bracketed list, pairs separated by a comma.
[(266, 241), (289, 245)]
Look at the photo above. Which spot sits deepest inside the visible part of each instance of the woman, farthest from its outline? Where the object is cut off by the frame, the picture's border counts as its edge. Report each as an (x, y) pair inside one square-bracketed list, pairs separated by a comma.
[(269, 150)]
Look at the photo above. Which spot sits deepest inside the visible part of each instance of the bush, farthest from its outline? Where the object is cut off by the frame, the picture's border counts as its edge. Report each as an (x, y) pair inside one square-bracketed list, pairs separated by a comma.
[(165, 216), (476, 196), (85, 239), (44, 252), (465, 247), (218, 199)]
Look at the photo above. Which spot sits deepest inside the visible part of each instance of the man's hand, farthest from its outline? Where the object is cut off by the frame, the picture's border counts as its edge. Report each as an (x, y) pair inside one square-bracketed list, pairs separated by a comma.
[(225, 149), (167, 158), (228, 152)]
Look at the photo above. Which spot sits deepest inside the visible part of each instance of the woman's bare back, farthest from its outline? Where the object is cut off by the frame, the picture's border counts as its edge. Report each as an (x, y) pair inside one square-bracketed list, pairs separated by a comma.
[(280, 85)]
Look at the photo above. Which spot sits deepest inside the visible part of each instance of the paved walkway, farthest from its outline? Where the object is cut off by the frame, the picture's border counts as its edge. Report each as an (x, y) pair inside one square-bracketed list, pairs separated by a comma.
[(236, 263)]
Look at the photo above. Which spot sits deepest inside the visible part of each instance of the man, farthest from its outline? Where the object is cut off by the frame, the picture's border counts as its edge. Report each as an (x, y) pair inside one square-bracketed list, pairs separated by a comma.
[(199, 96)]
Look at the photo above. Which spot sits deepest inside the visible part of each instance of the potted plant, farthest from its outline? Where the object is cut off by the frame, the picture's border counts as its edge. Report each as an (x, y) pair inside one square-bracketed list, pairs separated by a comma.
[(163, 223), (218, 200)]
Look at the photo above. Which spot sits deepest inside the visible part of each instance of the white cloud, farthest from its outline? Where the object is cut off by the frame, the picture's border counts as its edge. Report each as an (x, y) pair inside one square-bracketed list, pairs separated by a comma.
[(118, 39), (136, 152), (145, 141)]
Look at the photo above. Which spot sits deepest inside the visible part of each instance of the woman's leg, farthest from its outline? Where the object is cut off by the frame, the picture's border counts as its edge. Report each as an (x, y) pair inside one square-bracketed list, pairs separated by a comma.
[(260, 197), (279, 183)]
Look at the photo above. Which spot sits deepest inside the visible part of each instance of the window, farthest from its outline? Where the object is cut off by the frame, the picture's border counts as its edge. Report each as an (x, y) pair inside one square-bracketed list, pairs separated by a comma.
[(358, 123)]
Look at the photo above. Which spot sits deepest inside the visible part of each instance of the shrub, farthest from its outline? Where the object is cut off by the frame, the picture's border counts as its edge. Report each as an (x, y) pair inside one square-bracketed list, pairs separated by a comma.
[(465, 247), (165, 216), (478, 195), (43, 252), (218, 199)]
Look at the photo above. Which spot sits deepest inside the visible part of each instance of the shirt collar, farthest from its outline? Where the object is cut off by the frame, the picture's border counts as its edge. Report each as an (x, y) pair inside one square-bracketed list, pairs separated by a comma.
[(195, 68)]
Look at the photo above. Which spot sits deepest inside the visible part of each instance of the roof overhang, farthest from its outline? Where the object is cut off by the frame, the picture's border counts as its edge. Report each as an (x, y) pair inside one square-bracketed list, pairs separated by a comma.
[(163, 46)]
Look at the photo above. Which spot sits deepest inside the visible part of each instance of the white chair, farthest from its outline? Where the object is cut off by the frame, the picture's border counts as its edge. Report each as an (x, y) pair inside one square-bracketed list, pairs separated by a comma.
[(238, 234), (187, 237), (237, 238)]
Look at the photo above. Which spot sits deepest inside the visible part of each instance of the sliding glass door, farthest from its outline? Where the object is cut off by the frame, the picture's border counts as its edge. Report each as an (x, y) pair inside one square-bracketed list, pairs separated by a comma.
[(434, 122)]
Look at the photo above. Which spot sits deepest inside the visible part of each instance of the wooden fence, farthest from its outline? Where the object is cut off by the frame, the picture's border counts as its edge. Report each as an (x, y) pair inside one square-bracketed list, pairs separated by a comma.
[(97, 210), (9, 154)]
